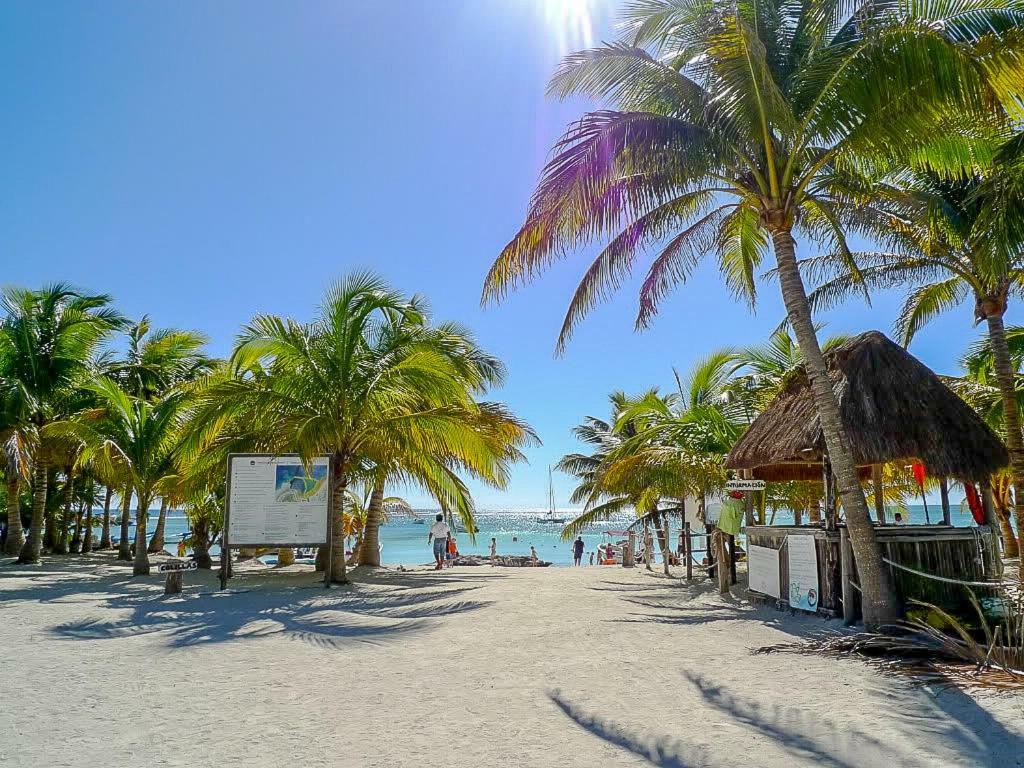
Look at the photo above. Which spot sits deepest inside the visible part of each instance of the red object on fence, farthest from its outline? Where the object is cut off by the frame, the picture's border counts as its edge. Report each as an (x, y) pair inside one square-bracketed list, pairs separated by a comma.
[(975, 505)]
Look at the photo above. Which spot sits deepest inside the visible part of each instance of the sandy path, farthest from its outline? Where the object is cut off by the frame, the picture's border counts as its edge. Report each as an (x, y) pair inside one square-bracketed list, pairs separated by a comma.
[(476, 666)]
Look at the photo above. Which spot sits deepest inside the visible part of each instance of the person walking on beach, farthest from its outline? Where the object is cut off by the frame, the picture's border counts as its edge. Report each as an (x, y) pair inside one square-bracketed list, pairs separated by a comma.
[(591, 558), (494, 550), (577, 551), (533, 555), (439, 535)]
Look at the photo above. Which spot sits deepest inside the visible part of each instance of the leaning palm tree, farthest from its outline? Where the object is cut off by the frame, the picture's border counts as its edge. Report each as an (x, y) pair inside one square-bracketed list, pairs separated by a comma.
[(47, 339), (738, 124), (941, 243), (362, 384)]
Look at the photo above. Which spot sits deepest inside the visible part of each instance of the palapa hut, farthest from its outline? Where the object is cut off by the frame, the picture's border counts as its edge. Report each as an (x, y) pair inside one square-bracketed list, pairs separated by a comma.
[(895, 410)]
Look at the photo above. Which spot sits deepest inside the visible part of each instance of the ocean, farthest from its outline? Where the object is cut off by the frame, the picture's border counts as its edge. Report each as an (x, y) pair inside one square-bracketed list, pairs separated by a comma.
[(405, 541)]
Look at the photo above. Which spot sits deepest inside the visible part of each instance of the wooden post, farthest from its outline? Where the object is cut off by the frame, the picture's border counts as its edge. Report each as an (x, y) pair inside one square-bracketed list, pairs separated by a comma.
[(709, 550), (688, 549), (876, 483), (944, 493), (846, 570), (629, 553), (172, 585), (732, 558)]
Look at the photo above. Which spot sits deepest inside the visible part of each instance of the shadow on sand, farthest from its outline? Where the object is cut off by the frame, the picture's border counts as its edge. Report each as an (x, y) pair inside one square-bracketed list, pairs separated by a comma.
[(926, 718), (378, 606)]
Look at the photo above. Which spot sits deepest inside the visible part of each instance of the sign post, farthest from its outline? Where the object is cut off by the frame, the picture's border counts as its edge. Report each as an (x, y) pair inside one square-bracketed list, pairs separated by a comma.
[(174, 569), (275, 501), (745, 485)]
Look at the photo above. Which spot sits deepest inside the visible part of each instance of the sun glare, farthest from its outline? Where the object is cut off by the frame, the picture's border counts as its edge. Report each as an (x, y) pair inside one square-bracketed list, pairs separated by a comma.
[(572, 22)]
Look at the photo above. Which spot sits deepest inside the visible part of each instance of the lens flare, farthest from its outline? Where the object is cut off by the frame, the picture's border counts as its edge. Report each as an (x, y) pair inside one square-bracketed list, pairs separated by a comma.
[(572, 22)]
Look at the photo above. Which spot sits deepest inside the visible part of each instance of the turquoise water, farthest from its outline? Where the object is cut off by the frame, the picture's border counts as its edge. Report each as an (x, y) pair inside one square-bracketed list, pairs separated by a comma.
[(406, 542)]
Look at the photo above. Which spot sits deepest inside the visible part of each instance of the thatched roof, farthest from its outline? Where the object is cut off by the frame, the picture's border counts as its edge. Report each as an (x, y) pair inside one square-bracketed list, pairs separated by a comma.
[(894, 408)]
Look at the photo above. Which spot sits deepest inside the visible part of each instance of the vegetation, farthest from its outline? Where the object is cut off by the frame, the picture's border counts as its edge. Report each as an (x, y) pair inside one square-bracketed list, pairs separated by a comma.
[(735, 125), (391, 396)]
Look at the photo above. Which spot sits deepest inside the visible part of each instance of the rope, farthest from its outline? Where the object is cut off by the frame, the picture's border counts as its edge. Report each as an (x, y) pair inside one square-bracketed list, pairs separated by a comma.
[(990, 584)]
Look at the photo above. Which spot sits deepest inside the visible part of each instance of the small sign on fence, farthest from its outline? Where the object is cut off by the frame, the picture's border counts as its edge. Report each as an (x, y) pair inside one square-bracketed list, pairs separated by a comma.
[(189, 565), (745, 485)]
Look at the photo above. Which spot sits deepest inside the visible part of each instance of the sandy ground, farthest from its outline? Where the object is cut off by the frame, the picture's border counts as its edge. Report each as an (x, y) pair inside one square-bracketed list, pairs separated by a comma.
[(470, 667)]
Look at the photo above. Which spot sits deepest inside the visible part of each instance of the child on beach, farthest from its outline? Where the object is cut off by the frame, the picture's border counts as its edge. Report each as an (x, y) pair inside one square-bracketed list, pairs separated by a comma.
[(494, 550), (533, 556)]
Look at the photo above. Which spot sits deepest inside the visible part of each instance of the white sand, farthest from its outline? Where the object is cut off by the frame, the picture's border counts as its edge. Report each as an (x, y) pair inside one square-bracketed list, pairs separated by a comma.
[(471, 667)]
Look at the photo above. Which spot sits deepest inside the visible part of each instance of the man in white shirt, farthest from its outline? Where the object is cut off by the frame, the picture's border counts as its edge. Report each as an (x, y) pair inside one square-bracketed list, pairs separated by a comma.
[(439, 533)]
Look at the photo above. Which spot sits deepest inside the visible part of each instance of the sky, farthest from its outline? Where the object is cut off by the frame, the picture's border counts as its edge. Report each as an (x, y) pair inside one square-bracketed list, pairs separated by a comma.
[(204, 162)]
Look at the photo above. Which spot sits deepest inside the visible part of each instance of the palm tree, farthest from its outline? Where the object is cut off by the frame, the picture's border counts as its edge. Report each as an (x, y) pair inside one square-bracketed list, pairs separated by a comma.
[(137, 436), (657, 448), (978, 389), (17, 441), (941, 241), (735, 124), (47, 340), (362, 384), (156, 361)]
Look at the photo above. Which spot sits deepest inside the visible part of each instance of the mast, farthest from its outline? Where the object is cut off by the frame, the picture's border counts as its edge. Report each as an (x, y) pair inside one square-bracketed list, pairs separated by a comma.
[(551, 494)]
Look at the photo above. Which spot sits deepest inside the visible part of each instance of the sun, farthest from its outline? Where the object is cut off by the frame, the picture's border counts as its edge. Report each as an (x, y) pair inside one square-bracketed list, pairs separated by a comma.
[(571, 21)]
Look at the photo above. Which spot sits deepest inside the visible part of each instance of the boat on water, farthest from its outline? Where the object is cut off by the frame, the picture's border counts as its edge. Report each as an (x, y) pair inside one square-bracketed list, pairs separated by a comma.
[(551, 517)]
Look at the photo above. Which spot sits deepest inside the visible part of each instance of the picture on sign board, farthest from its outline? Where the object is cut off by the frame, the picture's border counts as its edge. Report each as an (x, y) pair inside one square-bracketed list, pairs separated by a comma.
[(295, 483)]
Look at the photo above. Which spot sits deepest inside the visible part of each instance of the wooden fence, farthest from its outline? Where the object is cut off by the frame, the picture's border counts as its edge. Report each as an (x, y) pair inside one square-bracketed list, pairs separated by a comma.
[(959, 554)]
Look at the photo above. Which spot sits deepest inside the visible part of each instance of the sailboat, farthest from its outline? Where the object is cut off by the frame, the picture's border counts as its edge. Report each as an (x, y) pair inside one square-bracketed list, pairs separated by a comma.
[(551, 517)]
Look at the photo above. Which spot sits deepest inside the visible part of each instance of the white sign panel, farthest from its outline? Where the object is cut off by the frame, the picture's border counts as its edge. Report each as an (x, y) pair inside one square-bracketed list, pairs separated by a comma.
[(803, 573), (763, 570), (276, 500), (745, 485), (188, 565)]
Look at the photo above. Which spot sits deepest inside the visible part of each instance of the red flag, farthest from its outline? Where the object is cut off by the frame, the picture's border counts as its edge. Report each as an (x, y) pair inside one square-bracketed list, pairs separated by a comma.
[(974, 503), (919, 475)]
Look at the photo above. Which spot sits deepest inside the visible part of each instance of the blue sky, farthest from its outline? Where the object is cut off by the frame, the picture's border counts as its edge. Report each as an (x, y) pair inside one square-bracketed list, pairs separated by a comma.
[(204, 162)]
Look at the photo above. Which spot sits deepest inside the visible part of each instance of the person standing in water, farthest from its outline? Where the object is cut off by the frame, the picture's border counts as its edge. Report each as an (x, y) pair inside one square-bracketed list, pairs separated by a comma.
[(577, 551), (439, 535)]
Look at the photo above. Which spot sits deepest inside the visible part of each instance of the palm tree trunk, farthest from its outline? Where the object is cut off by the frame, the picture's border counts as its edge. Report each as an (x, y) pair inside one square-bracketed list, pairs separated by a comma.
[(285, 556), (34, 543), (1011, 547), (15, 534), (339, 482), (60, 540), (140, 567), (105, 535), (157, 542), (666, 549), (76, 538), (369, 551), (880, 603), (662, 535), (87, 534), (1011, 414), (124, 547), (201, 545), (722, 567), (647, 545)]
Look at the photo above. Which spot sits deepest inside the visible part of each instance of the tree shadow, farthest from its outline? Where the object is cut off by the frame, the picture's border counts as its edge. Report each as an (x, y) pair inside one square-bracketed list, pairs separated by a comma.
[(664, 752), (260, 603), (927, 717)]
